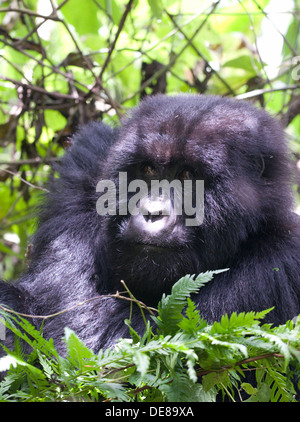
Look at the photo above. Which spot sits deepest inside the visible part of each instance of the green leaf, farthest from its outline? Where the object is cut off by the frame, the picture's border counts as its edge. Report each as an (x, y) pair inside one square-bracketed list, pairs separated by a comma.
[(134, 335), (191, 361), (84, 19), (29, 334), (11, 360), (167, 364), (249, 389), (7, 250), (54, 120), (78, 353), (170, 307), (281, 345), (242, 62), (263, 395), (241, 320), (193, 322), (210, 380), (46, 364), (181, 389), (141, 361), (156, 7)]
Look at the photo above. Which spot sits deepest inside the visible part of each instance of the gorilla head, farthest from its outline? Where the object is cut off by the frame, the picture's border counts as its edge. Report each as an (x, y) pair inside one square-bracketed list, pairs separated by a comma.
[(235, 149)]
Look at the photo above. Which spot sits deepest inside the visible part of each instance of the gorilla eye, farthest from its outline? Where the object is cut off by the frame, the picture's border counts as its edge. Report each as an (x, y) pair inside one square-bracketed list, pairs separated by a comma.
[(148, 170), (186, 174)]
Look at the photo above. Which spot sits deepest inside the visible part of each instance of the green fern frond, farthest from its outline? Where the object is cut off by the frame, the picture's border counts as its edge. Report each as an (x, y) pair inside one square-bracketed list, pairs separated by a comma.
[(170, 307), (25, 331)]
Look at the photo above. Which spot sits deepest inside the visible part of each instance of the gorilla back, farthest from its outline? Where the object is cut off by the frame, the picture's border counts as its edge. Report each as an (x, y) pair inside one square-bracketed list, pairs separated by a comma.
[(248, 224)]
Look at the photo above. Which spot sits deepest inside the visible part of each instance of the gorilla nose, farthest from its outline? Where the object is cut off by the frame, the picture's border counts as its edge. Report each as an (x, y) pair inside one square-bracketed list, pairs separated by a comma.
[(154, 216)]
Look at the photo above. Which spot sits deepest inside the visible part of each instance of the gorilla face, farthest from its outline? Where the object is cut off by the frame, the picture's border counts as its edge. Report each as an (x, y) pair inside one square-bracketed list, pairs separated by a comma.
[(232, 147), (152, 243)]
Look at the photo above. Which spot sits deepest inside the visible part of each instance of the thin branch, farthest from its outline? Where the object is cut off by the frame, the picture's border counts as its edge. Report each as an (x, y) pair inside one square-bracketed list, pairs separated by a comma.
[(112, 46), (117, 295), (111, 101), (45, 18), (28, 12), (37, 160), (201, 373), (252, 27), (154, 46), (42, 90), (258, 92), (53, 69), (25, 181)]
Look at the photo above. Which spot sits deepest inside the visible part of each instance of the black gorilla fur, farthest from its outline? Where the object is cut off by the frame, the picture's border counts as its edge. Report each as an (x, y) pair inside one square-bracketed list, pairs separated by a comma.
[(248, 226)]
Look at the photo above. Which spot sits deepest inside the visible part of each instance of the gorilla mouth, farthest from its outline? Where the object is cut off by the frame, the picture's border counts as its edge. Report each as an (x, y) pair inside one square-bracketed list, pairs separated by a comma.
[(150, 245), (155, 247)]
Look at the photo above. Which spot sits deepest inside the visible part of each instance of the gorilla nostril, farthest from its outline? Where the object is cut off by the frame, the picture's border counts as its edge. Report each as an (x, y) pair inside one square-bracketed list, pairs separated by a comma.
[(151, 218), (151, 224)]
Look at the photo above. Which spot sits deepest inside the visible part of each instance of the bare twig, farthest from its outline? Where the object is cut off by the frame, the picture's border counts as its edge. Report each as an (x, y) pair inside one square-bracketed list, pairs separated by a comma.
[(37, 160), (117, 295), (97, 78), (24, 181), (201, 373), (29, 13), (258, 92), (42, 90), (112, 46), (54, 69)]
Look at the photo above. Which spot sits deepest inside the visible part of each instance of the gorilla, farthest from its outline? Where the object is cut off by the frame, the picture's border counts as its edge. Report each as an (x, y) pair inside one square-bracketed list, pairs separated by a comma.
[(247, 224)]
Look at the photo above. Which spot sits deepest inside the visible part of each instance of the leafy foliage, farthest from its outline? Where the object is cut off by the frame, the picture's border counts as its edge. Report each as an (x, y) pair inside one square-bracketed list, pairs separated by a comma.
[(171, 306), (187, 359)]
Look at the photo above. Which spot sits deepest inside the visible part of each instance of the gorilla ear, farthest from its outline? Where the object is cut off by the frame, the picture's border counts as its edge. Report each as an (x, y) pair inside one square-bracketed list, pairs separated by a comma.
[(261, 165), (266, 165)]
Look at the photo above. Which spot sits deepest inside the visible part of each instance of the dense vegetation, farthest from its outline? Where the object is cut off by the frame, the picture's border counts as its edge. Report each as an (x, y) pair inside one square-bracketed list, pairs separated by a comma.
[(186, 360)]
